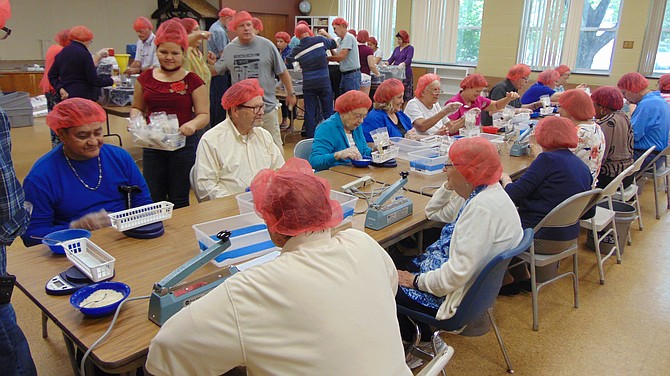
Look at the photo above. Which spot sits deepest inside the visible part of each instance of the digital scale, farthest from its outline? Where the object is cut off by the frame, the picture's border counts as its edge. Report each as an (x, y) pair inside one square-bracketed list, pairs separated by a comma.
[(67, 282), (382, 213)]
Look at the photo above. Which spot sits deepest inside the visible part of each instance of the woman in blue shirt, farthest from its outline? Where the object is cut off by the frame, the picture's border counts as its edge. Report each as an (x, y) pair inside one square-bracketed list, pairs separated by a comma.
[(387, 112), (545, 85), (339, 139)]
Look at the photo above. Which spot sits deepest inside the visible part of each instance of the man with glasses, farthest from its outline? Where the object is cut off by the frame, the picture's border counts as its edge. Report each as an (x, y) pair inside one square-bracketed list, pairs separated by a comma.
[(231, 154), (517, 79)]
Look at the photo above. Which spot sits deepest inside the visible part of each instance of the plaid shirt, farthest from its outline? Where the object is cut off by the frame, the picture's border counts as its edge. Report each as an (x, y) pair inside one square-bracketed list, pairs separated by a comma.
[(13, 217)]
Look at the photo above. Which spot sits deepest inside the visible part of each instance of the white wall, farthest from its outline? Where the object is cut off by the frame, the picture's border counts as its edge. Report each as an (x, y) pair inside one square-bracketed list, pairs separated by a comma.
[(110, 20)]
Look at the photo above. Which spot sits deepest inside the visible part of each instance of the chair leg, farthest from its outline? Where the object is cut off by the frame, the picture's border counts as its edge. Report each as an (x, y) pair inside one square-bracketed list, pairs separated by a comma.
[(500, 341), (667, 190), (599, 257), (639, 211), (575, 279), (658, 214), (533, 286)]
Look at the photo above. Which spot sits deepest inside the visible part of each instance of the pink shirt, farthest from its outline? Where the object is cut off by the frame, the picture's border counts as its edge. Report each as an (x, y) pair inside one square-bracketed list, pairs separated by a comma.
[(480, 102)]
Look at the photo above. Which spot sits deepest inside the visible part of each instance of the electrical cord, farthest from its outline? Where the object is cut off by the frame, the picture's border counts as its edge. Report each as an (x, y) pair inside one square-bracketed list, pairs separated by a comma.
[(82, 365)]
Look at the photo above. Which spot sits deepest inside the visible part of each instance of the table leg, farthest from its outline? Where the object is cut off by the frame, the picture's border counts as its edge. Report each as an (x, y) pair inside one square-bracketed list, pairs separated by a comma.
[(45, 331), (109, 134), (291, 130)]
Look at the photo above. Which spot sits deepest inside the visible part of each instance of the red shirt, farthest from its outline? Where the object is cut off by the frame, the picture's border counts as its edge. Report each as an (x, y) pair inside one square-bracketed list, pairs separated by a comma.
[(170, 97)]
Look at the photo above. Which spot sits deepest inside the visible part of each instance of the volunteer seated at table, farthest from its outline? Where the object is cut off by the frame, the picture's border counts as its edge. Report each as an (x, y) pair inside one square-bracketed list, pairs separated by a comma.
[(577, 106), (552, 177), (471, 98), (324, 306), (517, 79), (387, 111), (232, 153), (608, 102), (427, 116), (71, 185), (545, 85), (145, 51), (564, 71), (481, 223), (339, 139)]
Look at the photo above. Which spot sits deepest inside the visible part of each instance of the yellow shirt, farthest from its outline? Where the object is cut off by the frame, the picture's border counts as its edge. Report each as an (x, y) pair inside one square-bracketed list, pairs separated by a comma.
[(196, 62)]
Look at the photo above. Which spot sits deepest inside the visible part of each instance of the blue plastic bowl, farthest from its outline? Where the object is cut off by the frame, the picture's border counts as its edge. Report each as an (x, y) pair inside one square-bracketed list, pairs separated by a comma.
[(85, 292), (361, 163), (63, 235)]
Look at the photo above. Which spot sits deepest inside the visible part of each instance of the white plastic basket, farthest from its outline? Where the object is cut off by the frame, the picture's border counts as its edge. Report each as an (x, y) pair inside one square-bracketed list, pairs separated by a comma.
[(245, 202), (406, 145), (141, 215), (432, 141), (390, 153), (157, 140), (97, 264)]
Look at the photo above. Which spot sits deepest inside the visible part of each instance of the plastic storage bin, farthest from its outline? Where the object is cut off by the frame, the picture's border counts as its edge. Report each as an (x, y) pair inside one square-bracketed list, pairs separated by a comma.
[(141, 215), (97, 264), (407, 146), (249, 238), (428, 162), (157, 140), (245, 202)]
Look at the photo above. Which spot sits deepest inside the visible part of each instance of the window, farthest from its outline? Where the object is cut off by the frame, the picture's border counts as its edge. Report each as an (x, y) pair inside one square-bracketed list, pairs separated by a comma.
[(655, 59), (453, 25), (375, 16), (579, 33)]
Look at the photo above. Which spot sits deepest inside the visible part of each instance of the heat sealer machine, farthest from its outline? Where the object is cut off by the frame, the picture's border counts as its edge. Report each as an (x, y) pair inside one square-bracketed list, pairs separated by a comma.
[(522, 145), (168, 298), (382, 213)]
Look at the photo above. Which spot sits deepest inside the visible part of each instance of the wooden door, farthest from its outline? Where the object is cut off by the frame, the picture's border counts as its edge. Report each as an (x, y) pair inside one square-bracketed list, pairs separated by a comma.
[(272, 24)]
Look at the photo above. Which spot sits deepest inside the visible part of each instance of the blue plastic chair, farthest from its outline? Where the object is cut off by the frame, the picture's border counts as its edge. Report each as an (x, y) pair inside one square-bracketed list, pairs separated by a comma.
[(479, 299), (303, 149)]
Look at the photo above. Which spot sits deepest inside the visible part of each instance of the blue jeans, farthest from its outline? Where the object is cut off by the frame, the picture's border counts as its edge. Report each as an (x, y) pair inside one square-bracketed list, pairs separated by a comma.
[(167, 172), (15, 358), (318, 107), (350, 81)]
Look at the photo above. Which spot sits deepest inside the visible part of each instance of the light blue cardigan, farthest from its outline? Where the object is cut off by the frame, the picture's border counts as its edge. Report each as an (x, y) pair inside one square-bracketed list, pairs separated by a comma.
[(329, 138)]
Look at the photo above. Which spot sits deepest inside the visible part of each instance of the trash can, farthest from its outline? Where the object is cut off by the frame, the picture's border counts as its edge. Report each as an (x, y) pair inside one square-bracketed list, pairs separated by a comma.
[(624, 215)]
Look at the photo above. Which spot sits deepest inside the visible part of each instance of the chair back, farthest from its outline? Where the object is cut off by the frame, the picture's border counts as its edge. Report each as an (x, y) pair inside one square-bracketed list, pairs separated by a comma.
[(612, 187), (198, 195), (303, 149), (568, 212), (637, 165), (651, 166), (481, 295)]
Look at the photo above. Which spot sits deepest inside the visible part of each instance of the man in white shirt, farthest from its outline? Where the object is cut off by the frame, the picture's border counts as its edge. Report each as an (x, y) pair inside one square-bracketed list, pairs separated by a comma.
[(324, 306), (145, 53), (347, 56), (231, 154)]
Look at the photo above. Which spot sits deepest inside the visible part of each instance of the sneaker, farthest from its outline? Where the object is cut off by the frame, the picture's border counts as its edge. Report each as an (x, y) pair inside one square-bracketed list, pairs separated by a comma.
[(413, 361), (427, 346)]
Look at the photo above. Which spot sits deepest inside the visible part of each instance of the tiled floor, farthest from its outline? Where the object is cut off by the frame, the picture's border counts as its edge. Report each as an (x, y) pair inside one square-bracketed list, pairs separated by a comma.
[(620, 328)]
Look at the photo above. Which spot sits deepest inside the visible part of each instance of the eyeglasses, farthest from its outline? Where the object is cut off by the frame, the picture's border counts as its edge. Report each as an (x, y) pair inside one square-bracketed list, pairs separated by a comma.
[(437, 91), (358, 116), (525, 78), (5, 32), (256, 109)]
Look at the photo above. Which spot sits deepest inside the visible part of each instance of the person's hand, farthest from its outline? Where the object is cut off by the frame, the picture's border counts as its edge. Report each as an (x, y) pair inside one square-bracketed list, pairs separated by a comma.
[(92, 221), (511, 95), (63, 94), (211, 58), (187, 129), (523, 110), (505, 179), (476, 111), (401, 65), (103, 53), (451, 108), (536, 105), (117, 80), (291, 100), (442, 131), (582, 86), (205, 35), (457, 124), (350, 153), (405, 279)]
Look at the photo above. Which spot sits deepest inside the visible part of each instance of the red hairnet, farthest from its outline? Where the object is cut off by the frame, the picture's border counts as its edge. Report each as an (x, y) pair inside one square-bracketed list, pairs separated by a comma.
[(518, 71), (474, 80), (548, 77), (292, 200), (608, 97), (301, 29), (402, 34), (555, 132), (352, 100), (302, 22), (423, 83), (578, 104), (75, 112), (664, 83), (240, 93), (81, 34), (226, 12), (238, 18), (172, 31), (340, 21), (477, 160), (633, 81), (5, 12), (63, 37), (257, 23), (283, 35), (373, 40), (388, 89), (561, 69), (142, 23), (189, 24), (352, 32), (363, 36)]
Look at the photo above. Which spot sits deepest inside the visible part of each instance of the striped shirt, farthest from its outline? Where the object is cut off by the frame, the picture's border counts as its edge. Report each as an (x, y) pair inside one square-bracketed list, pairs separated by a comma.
[(311, 54)]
